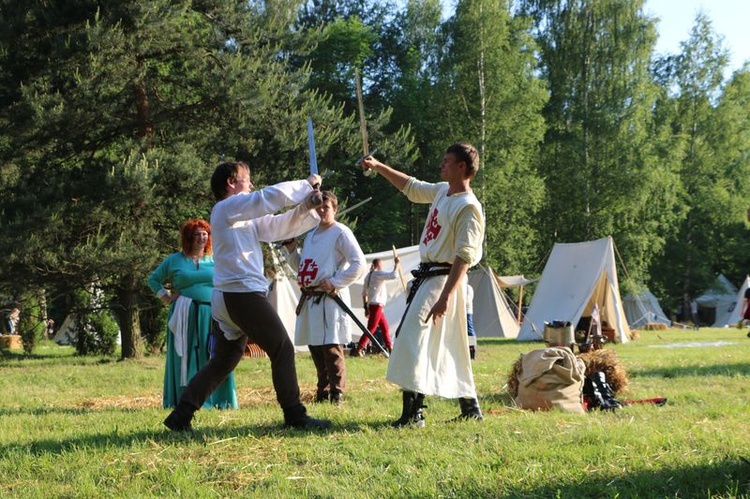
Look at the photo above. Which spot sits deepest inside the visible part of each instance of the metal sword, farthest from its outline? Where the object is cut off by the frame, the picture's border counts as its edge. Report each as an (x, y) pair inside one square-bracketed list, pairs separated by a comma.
[(362, 125), (367, 333)]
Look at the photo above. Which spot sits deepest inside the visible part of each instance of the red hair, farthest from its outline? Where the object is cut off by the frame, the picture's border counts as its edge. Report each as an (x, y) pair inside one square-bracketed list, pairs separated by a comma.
[(188, 230)]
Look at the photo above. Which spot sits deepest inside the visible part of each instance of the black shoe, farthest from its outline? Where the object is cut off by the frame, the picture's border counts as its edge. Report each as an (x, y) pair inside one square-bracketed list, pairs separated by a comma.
[(296, 417), (179, 419), (321, 397), (469, 410), (337, 399), (357, 352), (412, 414), (472, 352)]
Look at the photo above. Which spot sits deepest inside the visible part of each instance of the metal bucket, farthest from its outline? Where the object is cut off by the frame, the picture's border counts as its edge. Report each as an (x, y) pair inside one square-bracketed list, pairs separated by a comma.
[(559, 334)]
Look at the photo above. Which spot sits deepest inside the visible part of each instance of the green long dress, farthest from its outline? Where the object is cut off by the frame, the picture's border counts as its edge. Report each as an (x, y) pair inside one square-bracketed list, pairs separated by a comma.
[(194, 282)]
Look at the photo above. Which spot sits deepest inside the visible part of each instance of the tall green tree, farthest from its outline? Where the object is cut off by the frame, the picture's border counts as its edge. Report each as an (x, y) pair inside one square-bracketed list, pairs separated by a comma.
[(733, 142), (490, 96), (119, 120), (709, 129), (601, 162), (361, 36)]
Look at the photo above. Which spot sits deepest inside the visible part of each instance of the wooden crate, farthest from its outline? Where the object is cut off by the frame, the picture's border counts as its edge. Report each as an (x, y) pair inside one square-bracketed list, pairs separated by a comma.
[(253, 350), (11, 342)]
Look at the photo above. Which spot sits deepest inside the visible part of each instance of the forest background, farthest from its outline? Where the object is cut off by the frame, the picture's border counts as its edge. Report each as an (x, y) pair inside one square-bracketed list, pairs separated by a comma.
[(113, 115)]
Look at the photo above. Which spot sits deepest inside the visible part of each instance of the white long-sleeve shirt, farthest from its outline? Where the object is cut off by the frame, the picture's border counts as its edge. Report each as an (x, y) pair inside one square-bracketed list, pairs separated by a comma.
[(241, 222), (376, 292)]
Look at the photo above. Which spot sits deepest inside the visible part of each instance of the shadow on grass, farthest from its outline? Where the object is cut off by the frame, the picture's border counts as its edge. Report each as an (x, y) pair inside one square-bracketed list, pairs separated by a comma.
[(15, 358), (729, 477), (44, 411), (728, 370), (497, 398), (206, 435)]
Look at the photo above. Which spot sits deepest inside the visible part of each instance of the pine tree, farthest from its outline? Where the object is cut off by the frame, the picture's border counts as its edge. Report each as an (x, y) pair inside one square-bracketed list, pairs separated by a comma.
[(119, 120)]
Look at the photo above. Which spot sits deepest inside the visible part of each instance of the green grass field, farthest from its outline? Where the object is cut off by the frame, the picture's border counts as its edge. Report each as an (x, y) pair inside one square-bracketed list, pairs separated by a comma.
[(88, 427)]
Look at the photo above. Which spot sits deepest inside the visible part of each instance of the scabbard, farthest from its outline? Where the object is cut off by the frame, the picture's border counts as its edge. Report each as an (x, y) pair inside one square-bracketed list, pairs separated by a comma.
[(349, 312)]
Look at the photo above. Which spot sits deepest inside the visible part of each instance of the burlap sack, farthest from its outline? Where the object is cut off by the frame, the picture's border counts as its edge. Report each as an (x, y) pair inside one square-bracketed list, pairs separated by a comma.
[(551, 378)]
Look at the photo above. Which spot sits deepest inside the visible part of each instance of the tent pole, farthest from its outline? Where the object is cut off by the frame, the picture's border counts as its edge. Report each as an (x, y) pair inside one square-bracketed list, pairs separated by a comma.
[(520, 301)]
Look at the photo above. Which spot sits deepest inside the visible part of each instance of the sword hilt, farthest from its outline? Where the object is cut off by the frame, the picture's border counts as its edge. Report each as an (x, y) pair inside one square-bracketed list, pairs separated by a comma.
[(367, 172)]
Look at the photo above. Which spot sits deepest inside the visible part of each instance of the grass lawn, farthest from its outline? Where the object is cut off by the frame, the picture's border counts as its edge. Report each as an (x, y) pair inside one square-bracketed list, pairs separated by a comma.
[(90, 427)]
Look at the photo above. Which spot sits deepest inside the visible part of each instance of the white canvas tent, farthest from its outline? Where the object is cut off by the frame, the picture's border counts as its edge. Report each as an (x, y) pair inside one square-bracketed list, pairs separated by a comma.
[(66, 334), (643, 308), (730, 314), (492, 313), (720, 299), (577, 276)]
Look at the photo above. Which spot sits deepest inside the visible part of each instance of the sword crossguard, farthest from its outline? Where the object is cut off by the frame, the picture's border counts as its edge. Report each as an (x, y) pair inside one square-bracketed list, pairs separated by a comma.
[(367, 172)]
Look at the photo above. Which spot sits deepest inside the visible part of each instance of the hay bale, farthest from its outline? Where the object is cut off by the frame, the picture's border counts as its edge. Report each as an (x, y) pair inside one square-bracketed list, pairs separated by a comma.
[(655, 326), (11, 342), (515, 371), (606, 361), (634, 335)]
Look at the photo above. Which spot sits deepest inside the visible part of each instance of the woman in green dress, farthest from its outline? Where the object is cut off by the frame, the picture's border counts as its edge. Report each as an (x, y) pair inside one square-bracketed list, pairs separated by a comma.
[(189, 276)]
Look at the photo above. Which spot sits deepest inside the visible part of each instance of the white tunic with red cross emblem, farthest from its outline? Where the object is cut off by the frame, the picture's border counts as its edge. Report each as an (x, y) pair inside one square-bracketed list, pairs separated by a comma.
[(332, 253), (428, 358)]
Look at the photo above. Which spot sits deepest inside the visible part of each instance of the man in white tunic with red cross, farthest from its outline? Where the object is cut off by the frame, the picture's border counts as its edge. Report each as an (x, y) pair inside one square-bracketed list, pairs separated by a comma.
[(431, 351)]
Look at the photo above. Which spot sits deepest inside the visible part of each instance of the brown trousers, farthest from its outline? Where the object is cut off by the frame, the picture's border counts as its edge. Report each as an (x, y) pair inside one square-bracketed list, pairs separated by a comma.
[(254, 315), (331, 367)]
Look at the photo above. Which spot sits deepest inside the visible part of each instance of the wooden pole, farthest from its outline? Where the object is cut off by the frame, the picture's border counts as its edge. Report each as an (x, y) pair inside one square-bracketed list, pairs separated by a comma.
[(400, 272)]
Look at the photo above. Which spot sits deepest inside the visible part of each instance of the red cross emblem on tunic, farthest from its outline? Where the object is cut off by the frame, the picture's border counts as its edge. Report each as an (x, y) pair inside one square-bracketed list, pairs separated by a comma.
[(308, 271), (433, 228)]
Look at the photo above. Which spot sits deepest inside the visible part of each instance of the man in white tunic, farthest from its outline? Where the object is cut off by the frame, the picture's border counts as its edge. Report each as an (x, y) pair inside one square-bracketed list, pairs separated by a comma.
[(240, 221), (431, 351), (330, 261)]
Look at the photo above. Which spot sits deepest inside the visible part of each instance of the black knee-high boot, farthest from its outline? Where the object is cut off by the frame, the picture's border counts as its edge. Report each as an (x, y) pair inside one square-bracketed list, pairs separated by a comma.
[(411, 414), (469, 409)]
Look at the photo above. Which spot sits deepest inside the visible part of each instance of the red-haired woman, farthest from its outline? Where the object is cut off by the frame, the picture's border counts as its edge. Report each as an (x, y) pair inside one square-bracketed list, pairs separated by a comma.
[(189, 276)]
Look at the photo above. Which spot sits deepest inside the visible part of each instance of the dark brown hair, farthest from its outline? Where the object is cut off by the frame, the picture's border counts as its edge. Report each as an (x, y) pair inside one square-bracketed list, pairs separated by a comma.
[(468, 154)]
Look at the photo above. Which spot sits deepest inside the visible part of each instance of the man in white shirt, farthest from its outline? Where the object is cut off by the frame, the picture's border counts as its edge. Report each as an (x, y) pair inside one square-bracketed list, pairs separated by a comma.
[(240, 221)]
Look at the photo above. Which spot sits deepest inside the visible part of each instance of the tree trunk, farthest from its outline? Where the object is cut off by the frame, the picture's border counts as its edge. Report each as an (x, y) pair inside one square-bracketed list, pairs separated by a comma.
[(128, 312)]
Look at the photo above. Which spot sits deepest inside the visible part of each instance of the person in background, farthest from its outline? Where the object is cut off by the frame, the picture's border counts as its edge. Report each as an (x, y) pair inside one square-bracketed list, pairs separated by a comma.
[(330, 261), (13, 317), (694, 314), (50, 328), (184, 281), (431, 355), (374, 297), (745, 311), (241, 220)]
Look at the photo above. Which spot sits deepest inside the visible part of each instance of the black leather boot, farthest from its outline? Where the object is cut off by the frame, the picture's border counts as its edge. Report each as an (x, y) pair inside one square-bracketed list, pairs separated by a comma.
[(469, 409), (411, 414), (179, 419), (296, 417)]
